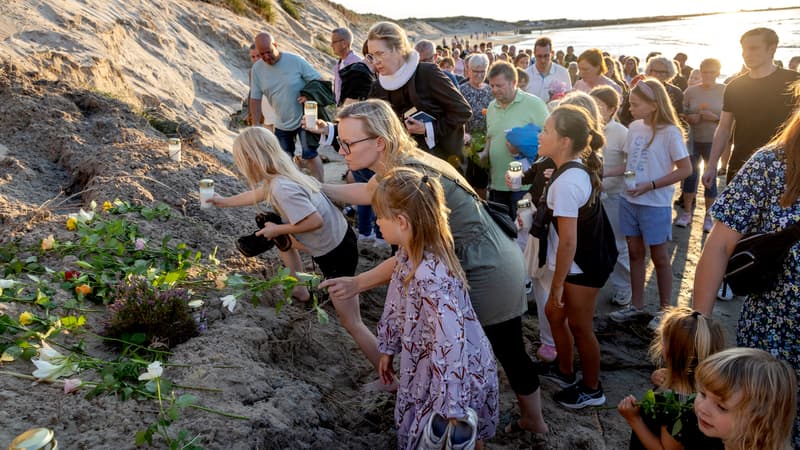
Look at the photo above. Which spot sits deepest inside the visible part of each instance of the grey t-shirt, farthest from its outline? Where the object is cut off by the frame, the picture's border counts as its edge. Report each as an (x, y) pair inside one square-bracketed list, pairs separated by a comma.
[(294, 203)]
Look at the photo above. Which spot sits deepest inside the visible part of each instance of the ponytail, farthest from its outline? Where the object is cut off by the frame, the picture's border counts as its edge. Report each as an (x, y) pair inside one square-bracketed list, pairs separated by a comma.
[(593, 162)]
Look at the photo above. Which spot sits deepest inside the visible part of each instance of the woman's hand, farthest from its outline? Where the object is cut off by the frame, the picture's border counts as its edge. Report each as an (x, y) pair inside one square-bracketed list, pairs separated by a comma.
[(321, 127), (708, 115), (693, 118), (385, 369), (415, 126), (342, 288), (628, 408)]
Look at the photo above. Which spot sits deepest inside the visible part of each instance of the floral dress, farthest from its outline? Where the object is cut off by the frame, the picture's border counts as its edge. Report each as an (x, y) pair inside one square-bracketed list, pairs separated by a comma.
[(769, 320), (446, 362), (478, 99)]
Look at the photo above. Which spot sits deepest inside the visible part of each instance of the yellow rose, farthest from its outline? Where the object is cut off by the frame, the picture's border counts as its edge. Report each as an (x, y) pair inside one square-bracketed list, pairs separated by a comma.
[(107, 206), (25, 318), (72, 223), (48, 242)]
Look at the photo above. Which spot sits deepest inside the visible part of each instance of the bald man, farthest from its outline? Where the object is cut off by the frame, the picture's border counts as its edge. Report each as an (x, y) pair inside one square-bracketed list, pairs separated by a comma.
[(280, 76)]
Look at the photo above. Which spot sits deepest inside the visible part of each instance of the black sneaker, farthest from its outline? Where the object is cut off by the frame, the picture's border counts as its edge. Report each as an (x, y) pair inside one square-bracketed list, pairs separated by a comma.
[(579, 396), (550, 371), (252, 245), (283, 242)]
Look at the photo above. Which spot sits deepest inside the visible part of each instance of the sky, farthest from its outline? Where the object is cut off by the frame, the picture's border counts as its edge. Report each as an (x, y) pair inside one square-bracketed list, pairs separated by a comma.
[(514, 10)]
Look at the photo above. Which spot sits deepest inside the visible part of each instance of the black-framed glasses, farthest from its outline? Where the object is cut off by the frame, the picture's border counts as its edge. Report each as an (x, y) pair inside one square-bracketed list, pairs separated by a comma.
[(346, 145)]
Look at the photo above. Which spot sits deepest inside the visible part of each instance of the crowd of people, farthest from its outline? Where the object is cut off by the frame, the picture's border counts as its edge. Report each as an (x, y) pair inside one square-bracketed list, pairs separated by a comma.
[(435, 138)]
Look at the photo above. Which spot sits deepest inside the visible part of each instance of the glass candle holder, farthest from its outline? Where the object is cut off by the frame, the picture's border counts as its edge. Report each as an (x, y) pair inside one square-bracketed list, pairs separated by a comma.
[(630, 179), (206, 193), (175, 149), (310, 114), (514, 172)]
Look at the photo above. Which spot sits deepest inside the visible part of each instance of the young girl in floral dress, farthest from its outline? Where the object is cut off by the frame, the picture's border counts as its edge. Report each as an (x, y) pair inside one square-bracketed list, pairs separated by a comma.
[(447, 368)]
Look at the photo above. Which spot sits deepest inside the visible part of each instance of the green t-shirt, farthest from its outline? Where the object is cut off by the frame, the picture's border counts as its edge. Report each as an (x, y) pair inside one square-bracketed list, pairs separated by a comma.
[(524, 109)]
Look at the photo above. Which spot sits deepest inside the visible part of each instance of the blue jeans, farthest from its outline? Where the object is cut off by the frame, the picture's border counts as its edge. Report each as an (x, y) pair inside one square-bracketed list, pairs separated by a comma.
[(365, 215), (286, 139)]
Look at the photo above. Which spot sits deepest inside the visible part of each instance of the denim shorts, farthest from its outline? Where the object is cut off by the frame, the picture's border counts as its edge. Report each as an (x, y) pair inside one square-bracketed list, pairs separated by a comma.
[(652, 223), (286, 139)]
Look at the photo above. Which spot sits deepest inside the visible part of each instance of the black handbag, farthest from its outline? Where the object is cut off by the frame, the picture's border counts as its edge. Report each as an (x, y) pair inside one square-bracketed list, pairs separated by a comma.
[(757, 260)]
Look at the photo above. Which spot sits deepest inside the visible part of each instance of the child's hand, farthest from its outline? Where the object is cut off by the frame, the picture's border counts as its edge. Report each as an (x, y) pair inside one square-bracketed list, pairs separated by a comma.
[(269, 231), (385, 369), (556, 295), (342, 288), (641, 188), (658, 377), (628, 408), (217, 200), (508, 180)]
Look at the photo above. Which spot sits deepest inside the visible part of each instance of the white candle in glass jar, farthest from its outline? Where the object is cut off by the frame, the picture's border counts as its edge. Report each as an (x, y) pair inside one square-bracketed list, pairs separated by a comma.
[(310, 110), (630, 179), (206, 193), (514, 172), (175, 149)]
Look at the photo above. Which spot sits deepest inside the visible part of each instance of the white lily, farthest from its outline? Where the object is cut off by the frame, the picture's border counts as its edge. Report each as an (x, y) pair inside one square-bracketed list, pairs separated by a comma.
[(195, 303), (83, 216), (154, 370), (7, 284), (229, 301), (47, 371), (49, 354), (71, 385)]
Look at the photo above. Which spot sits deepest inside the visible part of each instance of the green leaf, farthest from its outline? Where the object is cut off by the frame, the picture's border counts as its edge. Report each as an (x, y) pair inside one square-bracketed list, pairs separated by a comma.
[(13, 351), (143, 437), (676, 428), (41, 299), (173, 412), (322, 316), (85, 265), (185, 400)]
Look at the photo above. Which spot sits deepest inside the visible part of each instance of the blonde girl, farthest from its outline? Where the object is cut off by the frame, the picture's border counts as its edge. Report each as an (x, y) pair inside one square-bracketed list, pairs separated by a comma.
[(449, 371), (685, 338), (657, 157), (747, 398), (314, 224)]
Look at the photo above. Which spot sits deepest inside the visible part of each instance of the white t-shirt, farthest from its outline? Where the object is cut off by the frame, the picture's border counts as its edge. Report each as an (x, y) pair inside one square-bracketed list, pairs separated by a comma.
[(654, 161), (571, 190), (294, 203), (613, 156), (541, 85)]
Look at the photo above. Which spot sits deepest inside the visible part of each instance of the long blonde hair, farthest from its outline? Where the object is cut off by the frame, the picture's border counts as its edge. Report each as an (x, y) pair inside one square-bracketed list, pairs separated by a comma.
[(765, 414), (651, 90), (685, 338), (420, 198), (260, 158), (788, 138)]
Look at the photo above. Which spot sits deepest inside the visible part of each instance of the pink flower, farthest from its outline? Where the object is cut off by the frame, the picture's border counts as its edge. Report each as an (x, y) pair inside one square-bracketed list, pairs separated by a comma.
[(71, 385), (139, 244)]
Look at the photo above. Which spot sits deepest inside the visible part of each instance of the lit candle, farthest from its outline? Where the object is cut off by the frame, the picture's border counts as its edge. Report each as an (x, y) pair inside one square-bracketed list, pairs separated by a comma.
[(206, 193)]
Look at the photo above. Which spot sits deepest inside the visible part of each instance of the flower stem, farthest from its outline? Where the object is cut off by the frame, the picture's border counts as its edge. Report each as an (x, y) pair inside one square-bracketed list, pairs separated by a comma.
[(224, 414), (197, 388)]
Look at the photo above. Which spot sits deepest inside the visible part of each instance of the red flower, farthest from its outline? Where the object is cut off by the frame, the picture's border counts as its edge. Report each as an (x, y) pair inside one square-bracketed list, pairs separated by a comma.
[(71, 275)]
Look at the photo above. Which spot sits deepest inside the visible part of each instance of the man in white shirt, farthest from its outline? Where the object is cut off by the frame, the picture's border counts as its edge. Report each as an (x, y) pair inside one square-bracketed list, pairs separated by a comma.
[(341, 43), (546, 78)]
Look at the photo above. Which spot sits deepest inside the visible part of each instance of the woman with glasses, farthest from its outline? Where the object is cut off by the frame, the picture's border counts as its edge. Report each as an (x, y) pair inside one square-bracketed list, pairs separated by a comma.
[(663, 69), (591, 68), (478, 95), (410, 85), (371, 136)]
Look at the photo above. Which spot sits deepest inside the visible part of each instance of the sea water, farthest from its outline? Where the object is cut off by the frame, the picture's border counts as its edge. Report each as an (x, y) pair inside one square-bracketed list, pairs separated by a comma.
[(712, 36)]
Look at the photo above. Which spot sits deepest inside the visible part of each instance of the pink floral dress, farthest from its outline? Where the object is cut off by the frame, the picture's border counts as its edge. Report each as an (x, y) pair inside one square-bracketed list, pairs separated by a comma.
[(446, 361)]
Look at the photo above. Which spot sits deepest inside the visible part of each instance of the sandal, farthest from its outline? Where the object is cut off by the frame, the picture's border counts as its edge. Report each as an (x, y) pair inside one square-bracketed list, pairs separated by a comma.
[(513, 425)]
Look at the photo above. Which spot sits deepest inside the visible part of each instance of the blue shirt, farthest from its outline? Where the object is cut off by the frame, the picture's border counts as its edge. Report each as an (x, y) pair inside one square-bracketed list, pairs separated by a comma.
[(281, 83)]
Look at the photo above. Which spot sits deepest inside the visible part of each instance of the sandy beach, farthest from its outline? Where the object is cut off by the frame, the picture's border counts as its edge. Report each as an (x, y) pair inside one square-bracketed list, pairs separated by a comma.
[(80, 85)]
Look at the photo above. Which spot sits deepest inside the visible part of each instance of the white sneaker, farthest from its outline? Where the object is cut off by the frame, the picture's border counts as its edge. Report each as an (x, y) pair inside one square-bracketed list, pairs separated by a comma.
[(626, 314), (725, 293), (684, 219), (621, 298), (655, 322)]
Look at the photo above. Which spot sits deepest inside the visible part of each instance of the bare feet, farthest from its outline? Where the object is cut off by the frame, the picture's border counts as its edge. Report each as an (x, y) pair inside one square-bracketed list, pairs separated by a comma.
[(526, 424), (301, 294), (378, 386)]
